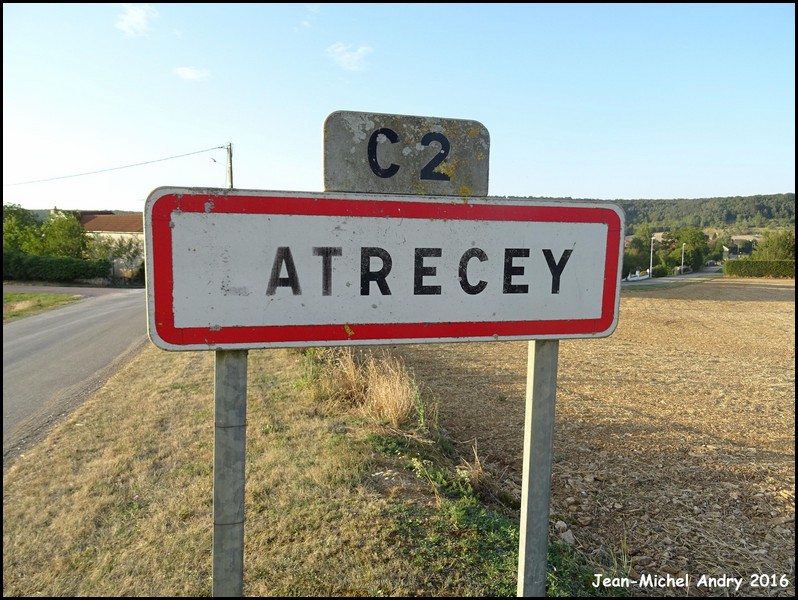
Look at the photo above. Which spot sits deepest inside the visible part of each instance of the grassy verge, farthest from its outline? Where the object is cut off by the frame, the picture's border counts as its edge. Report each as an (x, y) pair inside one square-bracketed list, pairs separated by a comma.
[(351, 490), (17, 305)]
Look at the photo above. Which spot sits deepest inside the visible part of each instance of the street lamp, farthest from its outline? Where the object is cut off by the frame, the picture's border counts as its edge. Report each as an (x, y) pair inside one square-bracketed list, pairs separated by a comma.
[(682, 270), (651, 260)]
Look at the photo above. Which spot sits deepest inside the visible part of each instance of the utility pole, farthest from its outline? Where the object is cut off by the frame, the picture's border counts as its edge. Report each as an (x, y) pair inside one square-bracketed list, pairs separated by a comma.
[(681, 271), (230, 165), (229, 459), (651, 260)]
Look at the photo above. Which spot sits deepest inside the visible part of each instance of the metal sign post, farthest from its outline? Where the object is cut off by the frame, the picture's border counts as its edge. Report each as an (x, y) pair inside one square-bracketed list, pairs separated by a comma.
[(407, 248), (229, 458), (541, 388)]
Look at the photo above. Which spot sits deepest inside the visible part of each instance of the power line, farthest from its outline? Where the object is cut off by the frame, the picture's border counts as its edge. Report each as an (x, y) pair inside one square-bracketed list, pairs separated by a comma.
[(114, 168)]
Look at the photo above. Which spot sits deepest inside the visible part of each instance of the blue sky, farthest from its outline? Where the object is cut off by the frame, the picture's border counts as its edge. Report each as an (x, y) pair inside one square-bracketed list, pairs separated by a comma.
[(605, 101)]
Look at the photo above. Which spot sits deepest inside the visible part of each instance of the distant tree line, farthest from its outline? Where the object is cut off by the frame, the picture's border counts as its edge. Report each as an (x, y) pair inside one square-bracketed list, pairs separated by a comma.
[(736, 214)]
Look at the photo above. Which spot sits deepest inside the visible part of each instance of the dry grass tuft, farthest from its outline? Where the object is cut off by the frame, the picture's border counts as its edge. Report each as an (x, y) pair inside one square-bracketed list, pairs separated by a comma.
[(391, 394), (340, 381), (474, 471), (489, 484), (379, 387)]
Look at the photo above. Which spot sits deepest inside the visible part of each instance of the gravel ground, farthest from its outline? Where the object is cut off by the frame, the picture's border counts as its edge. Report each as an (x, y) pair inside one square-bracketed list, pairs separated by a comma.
[(674, 440)]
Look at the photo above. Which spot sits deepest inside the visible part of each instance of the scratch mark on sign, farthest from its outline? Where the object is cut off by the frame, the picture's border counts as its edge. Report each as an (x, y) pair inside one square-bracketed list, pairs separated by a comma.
[(230, 290)]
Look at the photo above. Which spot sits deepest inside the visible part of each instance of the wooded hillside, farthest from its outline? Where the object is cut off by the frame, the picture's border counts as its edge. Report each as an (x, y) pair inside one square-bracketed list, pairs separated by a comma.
[(777, 210)]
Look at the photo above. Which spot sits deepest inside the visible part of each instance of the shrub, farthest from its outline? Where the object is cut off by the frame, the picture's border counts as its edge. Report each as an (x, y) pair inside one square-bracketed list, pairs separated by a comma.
[(659, 271), (760, 268), (14, 265), (52, 268)]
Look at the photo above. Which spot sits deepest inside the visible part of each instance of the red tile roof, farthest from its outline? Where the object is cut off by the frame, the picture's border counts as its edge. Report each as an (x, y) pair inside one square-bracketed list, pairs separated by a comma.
[(132, 223)]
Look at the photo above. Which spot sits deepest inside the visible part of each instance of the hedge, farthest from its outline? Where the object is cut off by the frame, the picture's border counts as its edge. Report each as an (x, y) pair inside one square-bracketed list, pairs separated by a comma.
[(52, 268), (760, 268)]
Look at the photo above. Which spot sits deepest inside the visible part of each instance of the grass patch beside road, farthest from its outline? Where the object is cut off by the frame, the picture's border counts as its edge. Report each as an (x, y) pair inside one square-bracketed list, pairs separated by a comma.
[(17, 305), (342, 498)]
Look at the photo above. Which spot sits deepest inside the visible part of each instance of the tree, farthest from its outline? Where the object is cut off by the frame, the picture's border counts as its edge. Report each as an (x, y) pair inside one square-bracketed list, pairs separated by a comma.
[(637, 255), (642, 239), (60, 235), (696, 247), (99, 247), (19, 227), (23, 217), (634, 261), (778, 245), (16, 234), (128, 251), (716, 247)]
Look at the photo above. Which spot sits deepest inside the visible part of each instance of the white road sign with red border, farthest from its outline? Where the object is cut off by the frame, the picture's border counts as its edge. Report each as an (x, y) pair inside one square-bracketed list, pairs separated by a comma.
[(244, 269)]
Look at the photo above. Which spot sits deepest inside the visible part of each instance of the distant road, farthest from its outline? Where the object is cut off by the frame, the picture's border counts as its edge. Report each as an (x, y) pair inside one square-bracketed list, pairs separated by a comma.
[(704, 273), (54, 360)]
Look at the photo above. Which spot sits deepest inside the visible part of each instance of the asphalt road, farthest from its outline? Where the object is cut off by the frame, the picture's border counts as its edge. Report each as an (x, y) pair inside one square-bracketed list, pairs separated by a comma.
[(54, 360), (704, 273)]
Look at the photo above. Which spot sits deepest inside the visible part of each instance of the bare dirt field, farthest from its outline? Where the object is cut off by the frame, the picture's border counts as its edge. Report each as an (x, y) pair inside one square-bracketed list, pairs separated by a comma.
[(674, 441)]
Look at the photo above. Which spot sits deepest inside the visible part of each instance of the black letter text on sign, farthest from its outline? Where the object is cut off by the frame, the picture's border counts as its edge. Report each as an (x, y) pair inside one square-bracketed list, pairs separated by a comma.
[(391, 136), (304, 268)]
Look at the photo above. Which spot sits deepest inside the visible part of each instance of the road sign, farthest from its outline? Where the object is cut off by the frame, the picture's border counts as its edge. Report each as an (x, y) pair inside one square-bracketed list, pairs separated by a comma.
[(399, 154), (239, 269)]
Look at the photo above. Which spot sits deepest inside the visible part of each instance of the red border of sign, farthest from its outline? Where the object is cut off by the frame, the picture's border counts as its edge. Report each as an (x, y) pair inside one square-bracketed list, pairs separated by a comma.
[(164, 201)]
